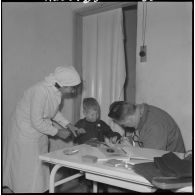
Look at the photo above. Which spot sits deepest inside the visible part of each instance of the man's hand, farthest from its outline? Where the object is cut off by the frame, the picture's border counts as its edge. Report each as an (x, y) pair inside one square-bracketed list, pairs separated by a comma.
[(75, 130), (127, 141), (63, 133), (114, 140)]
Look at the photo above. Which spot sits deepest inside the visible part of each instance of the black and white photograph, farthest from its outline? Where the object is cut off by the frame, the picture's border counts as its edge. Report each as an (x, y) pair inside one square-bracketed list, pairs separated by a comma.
[(97, 97)]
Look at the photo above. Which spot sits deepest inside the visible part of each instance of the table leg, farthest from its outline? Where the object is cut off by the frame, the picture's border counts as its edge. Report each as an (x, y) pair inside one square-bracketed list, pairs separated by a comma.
[(52, 178), (95, 187)]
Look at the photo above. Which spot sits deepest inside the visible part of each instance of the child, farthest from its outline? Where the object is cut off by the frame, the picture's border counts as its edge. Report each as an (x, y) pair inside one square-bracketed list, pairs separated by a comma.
[(94, 127)]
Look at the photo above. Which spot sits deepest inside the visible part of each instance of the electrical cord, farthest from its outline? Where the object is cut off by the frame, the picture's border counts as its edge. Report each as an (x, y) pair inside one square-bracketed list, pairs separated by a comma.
[(144, 18)]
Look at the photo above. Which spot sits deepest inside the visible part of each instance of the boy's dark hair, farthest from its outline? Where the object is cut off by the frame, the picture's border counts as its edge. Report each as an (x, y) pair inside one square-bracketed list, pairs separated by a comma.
[(91, 103), (120, 109)]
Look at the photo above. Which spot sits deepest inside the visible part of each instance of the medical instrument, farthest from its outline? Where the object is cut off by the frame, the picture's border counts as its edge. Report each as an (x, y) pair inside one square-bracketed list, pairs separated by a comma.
[(139, 158), (123, 150), (70, 151), (119, 163)]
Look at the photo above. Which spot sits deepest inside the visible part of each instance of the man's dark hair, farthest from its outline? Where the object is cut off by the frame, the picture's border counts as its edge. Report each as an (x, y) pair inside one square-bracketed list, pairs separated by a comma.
[(120, 109)]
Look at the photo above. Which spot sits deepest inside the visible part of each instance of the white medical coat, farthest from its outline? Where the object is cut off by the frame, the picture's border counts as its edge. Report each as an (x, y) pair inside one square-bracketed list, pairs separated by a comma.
[(27, 139)]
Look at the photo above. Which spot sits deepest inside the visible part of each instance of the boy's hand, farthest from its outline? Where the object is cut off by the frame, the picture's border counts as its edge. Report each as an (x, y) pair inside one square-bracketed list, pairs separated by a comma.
[(108, 142), (127, 141), (81, 131), (111, 142), (114, 140)]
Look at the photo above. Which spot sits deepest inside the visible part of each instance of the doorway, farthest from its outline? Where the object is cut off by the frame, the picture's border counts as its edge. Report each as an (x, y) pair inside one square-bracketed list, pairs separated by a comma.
[(130, 39), (130, 34)]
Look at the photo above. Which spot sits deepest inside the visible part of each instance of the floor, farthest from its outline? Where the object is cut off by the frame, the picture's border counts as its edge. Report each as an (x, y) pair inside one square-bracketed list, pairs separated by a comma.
[(75, 187), (79, 185)]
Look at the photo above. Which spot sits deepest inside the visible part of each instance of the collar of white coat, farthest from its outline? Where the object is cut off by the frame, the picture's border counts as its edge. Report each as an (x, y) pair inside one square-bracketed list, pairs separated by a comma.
[(56, 91)]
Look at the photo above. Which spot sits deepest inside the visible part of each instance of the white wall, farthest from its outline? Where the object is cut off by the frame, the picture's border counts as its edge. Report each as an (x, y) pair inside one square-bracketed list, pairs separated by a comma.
[(37, 37), (165, 80)]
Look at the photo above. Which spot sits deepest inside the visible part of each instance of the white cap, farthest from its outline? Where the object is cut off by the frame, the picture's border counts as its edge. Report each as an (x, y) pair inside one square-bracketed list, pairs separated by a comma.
[(66, 76)]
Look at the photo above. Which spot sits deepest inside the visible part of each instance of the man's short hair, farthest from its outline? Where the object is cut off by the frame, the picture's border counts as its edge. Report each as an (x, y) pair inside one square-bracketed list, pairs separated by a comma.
[(119, 110)]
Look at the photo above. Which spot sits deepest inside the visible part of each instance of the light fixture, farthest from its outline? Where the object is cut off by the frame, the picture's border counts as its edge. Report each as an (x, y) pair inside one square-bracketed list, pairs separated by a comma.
[(142, 52)]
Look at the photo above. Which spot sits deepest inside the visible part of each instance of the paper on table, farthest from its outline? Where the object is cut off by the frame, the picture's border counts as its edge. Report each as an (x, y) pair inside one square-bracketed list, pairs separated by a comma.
[(135, 153)]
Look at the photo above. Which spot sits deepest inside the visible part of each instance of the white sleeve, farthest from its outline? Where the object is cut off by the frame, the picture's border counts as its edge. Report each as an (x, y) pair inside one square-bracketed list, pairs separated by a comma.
[(61, 119), (36, 113)]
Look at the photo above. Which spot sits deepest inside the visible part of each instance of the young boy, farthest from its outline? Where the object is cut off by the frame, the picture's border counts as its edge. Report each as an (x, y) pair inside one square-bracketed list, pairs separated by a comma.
[(93, 125)]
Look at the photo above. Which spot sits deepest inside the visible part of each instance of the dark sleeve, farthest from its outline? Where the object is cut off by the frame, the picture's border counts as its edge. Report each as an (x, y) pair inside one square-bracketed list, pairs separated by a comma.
[(107, 131), (79, 123)]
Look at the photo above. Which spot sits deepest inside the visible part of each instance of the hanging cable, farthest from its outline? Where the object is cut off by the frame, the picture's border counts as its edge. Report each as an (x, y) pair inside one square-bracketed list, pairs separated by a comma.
[(142, 52), (144, 17)]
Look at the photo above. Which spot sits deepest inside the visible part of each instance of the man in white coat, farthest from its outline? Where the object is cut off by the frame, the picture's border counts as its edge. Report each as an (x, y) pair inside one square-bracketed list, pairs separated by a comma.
[(31, 125)]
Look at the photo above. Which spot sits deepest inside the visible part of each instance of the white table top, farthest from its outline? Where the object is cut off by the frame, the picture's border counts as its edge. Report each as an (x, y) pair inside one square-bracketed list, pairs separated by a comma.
[(74, 161)]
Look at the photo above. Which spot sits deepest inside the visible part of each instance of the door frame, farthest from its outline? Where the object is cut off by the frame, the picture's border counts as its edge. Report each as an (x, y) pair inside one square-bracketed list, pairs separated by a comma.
[(77, 42)]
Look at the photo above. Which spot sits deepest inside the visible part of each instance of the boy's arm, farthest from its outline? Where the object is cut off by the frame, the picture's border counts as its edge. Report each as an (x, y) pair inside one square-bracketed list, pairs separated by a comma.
[(107, 132), (79, 124)]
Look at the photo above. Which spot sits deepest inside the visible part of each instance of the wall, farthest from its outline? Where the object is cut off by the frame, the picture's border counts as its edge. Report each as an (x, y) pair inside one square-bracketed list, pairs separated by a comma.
[(37, 37), (165, 80)]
